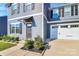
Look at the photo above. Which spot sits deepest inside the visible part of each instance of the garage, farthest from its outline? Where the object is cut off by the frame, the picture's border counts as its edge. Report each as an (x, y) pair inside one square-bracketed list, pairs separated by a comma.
[(70, 32)]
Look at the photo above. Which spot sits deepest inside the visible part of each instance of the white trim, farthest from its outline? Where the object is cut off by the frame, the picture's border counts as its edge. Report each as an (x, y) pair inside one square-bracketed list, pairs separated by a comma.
[(15, 23), (42, 22), (26, 16), (62, 21)]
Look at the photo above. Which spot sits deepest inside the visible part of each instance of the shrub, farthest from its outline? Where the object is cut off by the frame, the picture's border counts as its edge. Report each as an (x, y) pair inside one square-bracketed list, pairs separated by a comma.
[(1, 37), (6, 38), (28, 44), (38, 43), (10, 38)]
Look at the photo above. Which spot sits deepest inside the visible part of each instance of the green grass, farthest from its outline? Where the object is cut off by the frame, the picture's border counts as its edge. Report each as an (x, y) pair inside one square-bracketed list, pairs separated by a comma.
[(4, 45)]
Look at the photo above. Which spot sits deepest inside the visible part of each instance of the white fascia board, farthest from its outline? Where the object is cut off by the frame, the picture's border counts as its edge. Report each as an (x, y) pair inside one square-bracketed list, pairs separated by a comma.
[(62, 21), (26, 16), (15, 23)]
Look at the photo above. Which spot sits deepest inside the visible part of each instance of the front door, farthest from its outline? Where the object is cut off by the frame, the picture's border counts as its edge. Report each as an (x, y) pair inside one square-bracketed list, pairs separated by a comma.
[(28, 31)]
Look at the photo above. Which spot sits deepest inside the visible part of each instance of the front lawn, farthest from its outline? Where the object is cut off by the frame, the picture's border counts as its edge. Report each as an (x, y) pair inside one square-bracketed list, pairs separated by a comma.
[(5, 45)]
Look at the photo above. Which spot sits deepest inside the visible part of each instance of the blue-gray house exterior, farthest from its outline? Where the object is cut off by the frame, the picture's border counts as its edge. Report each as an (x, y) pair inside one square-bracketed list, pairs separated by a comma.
[(40, 19)]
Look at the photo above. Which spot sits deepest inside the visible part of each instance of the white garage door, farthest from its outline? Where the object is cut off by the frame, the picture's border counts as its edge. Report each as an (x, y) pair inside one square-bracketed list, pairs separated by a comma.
[(54, 32), (71, 32)]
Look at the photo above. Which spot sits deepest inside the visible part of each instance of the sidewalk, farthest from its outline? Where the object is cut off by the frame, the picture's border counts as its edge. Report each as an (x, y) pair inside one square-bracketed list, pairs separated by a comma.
[(16, 51)]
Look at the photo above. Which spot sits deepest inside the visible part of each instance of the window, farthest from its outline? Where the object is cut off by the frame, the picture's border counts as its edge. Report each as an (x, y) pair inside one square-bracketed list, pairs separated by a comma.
[(33, 6), (67, 11), (55, 14), (63, 12), (28, 7), (64, 26), (13, 8), (76, 9), (18, 11), (23, 7), (16, 28), (60, 12), (72, 26), (51, 14), (72, 10), (54, 26)]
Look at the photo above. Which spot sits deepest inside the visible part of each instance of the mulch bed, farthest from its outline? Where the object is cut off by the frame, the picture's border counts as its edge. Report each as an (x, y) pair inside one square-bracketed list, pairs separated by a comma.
[(34, 50)]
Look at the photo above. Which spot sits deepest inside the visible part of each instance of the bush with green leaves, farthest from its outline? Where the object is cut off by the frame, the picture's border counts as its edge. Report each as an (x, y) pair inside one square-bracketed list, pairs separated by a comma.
[(10, 38), (38, 43), (1, 37), (28, 44)]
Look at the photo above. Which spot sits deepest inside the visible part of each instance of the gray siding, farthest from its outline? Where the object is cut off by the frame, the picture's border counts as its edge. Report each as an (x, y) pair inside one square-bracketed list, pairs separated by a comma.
[(37, 27), (38, 9), (37, 23)]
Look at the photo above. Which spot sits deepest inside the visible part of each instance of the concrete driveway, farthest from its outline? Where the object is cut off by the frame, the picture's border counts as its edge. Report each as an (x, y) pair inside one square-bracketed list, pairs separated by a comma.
[(63, 48)]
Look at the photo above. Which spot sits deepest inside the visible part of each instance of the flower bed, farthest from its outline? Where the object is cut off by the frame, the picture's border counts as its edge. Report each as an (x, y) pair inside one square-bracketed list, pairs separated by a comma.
[(36, 46)]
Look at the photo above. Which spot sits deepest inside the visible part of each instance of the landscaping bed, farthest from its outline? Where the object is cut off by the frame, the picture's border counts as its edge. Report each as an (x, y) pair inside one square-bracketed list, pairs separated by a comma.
[(5, 45), (34, 50), (35, 46)]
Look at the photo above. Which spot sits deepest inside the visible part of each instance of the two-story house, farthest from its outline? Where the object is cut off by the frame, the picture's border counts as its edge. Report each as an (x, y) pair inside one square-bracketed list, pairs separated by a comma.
[(27, 20), (64, 22)]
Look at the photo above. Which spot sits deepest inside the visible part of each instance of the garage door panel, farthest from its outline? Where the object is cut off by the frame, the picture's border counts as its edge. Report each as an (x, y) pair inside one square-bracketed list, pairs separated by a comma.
[(68, 33), (54, 33)]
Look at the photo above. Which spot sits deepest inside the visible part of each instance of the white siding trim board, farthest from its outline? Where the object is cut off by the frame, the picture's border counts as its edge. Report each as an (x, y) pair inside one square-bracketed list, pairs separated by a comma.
[(26, 16)]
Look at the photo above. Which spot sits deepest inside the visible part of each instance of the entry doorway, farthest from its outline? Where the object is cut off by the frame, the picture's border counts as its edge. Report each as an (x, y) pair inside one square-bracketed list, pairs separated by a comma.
[(29, 31)]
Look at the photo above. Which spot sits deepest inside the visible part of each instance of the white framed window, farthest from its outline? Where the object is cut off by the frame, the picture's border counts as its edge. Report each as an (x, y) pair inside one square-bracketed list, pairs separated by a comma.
[(16, 28), (74, 26), (67, 11), (13, 8), (64, 26), (74, 10), (28, 7)]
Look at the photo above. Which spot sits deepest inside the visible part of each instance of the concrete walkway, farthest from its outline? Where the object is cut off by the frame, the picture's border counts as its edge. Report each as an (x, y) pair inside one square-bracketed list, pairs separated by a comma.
[(17, 51), (63, 48)]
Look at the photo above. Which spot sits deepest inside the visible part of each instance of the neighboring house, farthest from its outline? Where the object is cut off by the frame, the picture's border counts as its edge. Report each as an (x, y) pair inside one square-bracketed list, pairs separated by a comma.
[(26, 20), (64, 22), (3, 25)]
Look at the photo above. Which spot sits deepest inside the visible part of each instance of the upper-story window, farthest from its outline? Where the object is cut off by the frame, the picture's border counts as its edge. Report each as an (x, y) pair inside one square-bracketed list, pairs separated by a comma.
[(18, 8), (62, 11), (33, 6), (67, 11), (13, 8), (24, 7), (74, 10), (28, 7), (55, 14)]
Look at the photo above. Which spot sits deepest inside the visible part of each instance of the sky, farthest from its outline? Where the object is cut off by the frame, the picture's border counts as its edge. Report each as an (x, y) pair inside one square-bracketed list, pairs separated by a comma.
[(3, 8)]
